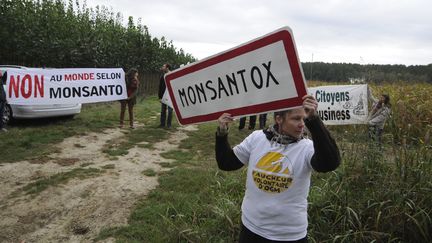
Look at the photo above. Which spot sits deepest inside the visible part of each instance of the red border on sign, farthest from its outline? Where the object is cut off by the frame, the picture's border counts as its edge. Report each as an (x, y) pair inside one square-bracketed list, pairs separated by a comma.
[(283, 35)]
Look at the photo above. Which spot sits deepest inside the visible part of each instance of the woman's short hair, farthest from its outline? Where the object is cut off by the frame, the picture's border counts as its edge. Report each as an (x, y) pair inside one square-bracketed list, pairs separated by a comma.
[(281, 113)]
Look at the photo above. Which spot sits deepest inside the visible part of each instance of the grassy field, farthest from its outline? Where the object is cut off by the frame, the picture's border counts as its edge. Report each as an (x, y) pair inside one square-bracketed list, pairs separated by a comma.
[(30, 139), (373, 197)]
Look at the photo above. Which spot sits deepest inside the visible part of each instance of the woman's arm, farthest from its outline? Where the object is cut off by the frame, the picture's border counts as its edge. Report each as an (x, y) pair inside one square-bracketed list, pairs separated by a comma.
[(225, 156), (326, 156)]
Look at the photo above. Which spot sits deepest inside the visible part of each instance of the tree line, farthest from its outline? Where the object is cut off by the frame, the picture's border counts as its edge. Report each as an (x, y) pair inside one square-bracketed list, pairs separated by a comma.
[(343, 72), (55, 33)]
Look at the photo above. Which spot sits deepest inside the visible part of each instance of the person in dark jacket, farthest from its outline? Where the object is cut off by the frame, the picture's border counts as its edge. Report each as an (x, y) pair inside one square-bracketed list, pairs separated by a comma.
[(279, 165), (164, 120), (2, 102)]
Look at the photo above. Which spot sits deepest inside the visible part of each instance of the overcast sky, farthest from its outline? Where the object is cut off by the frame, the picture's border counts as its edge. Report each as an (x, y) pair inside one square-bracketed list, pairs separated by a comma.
[(354, 31)]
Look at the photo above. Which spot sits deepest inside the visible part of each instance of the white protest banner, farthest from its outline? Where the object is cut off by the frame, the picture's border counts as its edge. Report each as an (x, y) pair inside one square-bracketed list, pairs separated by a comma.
[(342, 104), (65, 86), (259, 76)]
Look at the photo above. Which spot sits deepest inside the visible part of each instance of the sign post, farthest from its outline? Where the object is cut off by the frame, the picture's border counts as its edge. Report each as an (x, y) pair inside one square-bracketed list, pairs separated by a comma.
[(259, 76)]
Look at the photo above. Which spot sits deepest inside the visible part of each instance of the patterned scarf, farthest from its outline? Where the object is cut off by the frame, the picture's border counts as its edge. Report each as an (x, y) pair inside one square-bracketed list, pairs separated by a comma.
[(275, 137)]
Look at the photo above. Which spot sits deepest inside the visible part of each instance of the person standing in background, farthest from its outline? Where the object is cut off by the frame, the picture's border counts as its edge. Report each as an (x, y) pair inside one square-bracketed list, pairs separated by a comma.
[(380, 112), (2, 101), (262, 120), (252, 121), (164, 120), (132, 84)]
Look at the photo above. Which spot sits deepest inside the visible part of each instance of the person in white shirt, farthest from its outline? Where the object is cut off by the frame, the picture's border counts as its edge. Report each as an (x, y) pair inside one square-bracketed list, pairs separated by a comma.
[(280, 162)]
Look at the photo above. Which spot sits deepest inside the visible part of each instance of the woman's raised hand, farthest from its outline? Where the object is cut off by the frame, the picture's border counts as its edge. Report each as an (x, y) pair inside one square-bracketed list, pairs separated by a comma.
[(310, 105), (224, 121)]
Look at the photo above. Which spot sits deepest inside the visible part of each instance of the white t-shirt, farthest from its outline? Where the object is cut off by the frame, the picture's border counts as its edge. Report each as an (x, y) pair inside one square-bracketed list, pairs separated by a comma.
[(277, 186)]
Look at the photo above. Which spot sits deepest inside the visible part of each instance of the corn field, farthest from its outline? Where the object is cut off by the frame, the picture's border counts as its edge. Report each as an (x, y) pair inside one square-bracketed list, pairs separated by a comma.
[(411, 119), (380, 194)]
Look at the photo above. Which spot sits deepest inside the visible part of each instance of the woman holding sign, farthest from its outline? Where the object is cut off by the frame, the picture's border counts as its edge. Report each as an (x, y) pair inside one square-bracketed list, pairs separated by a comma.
[(132, 84), (280, 162)]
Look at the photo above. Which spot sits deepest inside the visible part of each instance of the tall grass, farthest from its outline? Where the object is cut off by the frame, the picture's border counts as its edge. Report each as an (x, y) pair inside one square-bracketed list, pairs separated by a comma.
[(411, 118), (374, 197)]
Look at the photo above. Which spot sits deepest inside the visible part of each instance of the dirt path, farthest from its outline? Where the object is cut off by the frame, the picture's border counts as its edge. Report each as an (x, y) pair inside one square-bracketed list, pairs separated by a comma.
[(76, 211)]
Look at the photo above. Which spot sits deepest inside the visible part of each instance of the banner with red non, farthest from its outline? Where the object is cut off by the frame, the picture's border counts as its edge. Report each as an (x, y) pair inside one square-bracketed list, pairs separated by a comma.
[(64, 86)]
